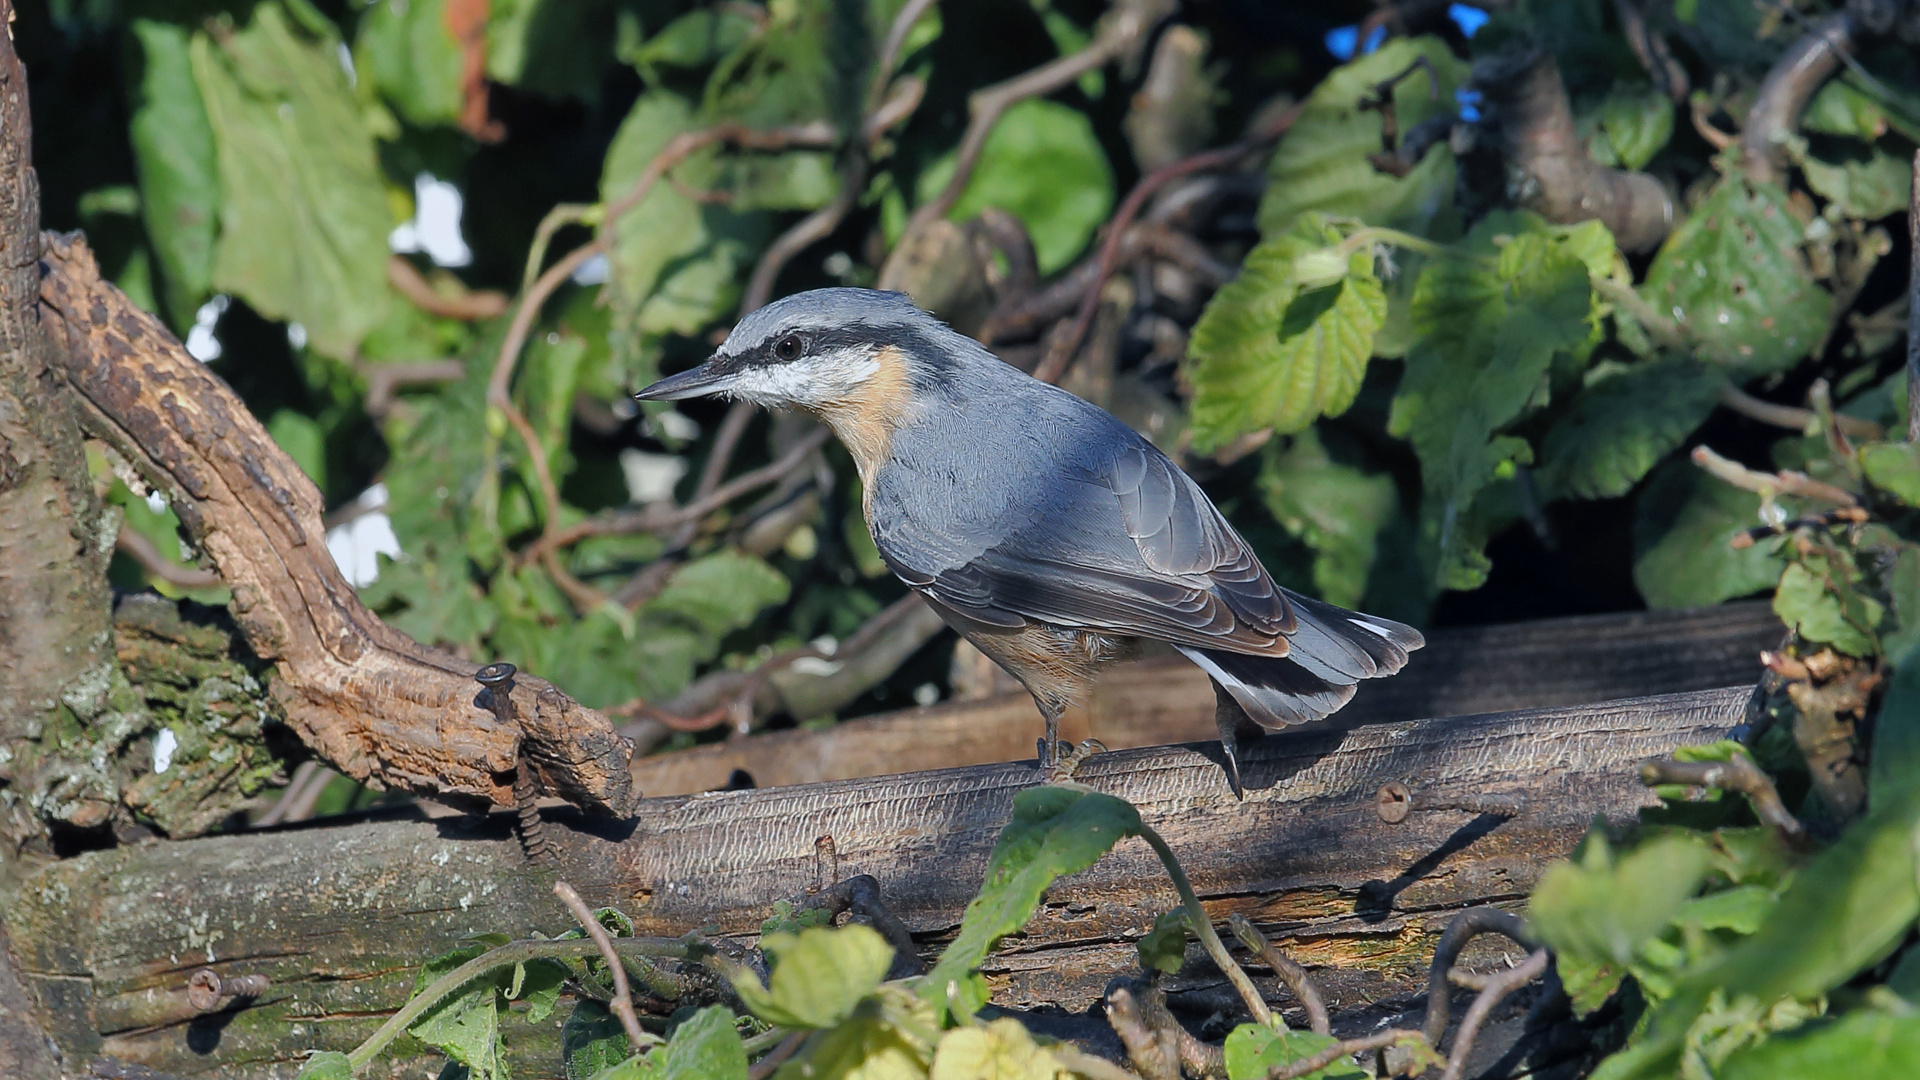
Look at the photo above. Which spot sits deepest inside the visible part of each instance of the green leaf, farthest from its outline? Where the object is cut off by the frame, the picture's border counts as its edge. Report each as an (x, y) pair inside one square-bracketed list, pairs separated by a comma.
[(1841, 109), (1684, 524), (1337, 510), (1600, 908), (559, 48), (1893, 467), (786, 920), (1637, 121), (1001, 1050), (442, 604), (1817, 612), (704, 1047), (1896, 735), (1846, 910), (1322, 163), (675, 263), (719, 593), (303, 213), (1273, 351), (1733, 275), (591, 1040), (877, 1044), (694, 40), (1874, 185), (326, 1065), (465, 1023), (1253, 1051), (405, 53), (819, 976), (300, 436), (1044, 165), (1861, 1045), (1054, 831), (1164, 948), (1486, 337), (179, 175), (1619, 427)]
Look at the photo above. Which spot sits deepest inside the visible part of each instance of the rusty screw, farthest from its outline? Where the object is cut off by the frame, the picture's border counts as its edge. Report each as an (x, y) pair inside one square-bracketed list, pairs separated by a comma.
[(1393, 802), (498, 679), (207, 992)]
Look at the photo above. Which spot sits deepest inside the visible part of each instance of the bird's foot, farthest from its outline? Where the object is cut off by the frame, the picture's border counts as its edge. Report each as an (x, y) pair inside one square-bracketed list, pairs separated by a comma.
[(1059, 767)]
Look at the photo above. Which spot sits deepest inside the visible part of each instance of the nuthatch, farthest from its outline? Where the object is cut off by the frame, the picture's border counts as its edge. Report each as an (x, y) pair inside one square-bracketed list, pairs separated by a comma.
[(1047, 532)]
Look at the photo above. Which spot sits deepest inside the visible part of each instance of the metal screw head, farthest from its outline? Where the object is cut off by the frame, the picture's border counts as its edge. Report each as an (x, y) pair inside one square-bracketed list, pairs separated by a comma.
[(495, 674), (1393, 802), (203, 990)]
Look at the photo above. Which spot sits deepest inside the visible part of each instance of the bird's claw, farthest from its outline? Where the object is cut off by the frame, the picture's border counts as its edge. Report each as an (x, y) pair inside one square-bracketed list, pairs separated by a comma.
[(1067, 759)]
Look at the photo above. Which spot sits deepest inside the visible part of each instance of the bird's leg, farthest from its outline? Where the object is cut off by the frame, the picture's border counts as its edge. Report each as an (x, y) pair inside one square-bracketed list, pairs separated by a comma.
[(1057, 763), (1231, 720)]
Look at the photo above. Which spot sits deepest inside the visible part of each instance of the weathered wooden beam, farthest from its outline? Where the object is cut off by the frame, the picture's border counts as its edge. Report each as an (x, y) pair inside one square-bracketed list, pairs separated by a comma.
[(339, 917), (1463, 670)]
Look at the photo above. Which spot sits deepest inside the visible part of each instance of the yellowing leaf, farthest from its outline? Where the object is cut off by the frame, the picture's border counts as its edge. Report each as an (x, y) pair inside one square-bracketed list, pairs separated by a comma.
[(1002, 1050), (819, 976)]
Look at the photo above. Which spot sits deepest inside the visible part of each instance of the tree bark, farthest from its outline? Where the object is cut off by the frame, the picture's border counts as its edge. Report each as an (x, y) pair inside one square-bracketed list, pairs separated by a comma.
[(56, 648), (375, 703), (339, 918)]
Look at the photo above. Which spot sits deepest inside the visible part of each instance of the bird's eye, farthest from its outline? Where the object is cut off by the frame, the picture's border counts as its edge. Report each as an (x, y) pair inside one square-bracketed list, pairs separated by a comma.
[(788, 348)]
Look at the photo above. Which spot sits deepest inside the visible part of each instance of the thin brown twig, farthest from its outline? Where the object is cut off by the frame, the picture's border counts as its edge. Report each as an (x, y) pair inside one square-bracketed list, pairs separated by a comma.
[(1792, 417), (1768, 485), (1084, 1064), (788, 1047), (278, 813), (470, 305), (1379, 1040), (1122, 30), (1154, 1056), (1463, 928), (1286, 970), (622, 1003), (1498, 987), (1738, 774), (658, 520), (143, 551), (384, 381), (1061, 352), (1651, 50)]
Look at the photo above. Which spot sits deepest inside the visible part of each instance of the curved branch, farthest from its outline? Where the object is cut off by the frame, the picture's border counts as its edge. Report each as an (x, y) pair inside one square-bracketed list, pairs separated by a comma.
[(1806, 65), (373, 702), (142, 550), (1553, 175), (1466, 926), (1123, 30), (470, 305), (1497, 989)]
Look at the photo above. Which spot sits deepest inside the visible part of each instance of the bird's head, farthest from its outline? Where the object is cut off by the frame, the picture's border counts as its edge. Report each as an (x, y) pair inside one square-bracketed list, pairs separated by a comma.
[(831, 351)]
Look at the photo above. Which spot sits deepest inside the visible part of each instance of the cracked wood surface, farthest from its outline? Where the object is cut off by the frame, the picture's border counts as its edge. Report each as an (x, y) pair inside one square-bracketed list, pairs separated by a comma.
[(339, 916), (1475, 669), (373, 702)]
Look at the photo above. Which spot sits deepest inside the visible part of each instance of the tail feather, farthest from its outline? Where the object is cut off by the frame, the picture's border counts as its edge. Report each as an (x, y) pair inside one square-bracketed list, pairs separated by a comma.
[(1329, 653)]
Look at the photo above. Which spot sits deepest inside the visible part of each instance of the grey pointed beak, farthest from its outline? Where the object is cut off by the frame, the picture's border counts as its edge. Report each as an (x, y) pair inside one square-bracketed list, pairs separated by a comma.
[(711, 377)]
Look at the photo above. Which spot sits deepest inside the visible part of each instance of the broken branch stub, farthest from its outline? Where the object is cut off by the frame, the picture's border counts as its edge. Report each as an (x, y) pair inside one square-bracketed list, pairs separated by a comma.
[(373, 702)]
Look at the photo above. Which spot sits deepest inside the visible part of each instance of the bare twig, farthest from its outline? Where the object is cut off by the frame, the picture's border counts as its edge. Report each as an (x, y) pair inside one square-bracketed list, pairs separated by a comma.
[(1740, 774), (1155, 1054), (1651, 50), (1292, 974), (622, 1003), (302, 774), (1465, 926), (1700, 113), (1913, 307), (1783, 95), (1060, 352), (1122, 31), (469, 305), (1845, 515), (142, 550), (1554, 174), (1769, 485), (655, 519), (1379, 1040), (384, 381), (1791, 416), (1498, 987), (788, 1046)]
